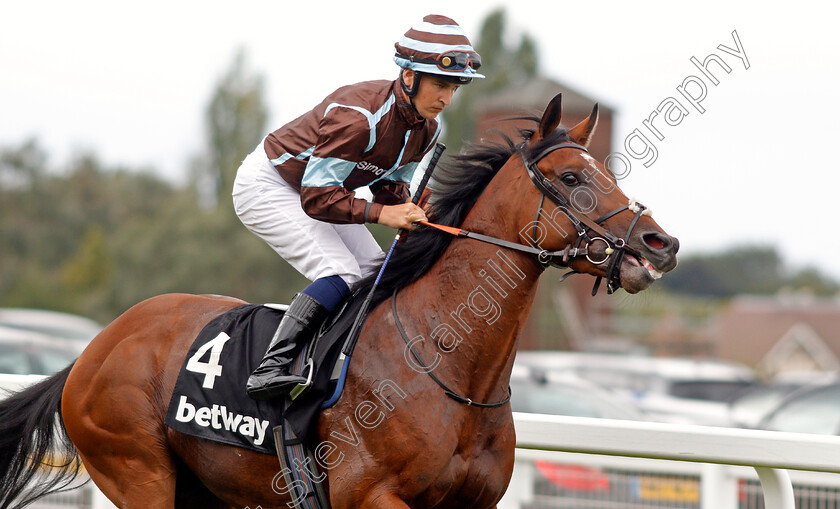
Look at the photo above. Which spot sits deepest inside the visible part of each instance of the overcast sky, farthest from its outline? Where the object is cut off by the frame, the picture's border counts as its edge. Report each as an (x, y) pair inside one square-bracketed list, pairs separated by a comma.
[(129, 81)]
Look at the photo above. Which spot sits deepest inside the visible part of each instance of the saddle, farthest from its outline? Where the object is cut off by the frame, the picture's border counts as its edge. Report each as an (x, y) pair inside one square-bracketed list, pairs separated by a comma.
[(324, 367), (320, 363), (209, 399)]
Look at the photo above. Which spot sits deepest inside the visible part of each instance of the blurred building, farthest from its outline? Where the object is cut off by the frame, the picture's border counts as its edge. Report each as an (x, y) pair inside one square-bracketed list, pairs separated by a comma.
[(497, 113), (780, 334), (674, 335)]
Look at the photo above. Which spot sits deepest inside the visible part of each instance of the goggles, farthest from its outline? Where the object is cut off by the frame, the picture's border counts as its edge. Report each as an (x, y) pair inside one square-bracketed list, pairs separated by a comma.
[(450, 61), (458, 61)]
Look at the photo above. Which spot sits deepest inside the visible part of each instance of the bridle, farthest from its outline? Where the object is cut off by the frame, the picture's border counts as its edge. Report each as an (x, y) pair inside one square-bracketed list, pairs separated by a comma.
[(589, 231), (616, 246)]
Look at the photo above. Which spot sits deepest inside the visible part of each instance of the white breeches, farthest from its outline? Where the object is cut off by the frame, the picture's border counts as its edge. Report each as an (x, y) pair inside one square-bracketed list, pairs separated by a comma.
[(270, 208)]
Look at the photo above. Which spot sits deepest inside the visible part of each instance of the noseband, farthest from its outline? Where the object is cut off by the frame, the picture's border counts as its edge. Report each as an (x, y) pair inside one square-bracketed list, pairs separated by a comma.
[(588, 231)]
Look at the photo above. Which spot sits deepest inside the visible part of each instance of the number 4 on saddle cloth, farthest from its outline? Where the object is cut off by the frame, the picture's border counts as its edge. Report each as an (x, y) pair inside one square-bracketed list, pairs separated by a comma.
[(209, 399)]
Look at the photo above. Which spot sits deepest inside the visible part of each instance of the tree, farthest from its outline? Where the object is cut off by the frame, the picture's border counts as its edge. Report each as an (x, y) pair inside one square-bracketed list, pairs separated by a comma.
[(216, 253), (94, 240), (57, 229), (23, 166), (236, 120), (502, 65), (742, 270)]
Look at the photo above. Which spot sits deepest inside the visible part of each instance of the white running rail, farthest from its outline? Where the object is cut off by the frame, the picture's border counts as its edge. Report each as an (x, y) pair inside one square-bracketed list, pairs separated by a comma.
[(770, 453)]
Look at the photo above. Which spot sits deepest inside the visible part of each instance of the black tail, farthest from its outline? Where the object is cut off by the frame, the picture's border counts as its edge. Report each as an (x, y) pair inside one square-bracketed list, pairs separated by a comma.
[(34, 445)]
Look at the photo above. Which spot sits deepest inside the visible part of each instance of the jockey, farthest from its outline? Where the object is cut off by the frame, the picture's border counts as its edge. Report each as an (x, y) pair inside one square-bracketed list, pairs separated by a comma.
[(296, 190)]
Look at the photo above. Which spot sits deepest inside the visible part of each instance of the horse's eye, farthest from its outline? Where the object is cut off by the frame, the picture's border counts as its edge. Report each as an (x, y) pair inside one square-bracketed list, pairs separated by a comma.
[(570, 179)]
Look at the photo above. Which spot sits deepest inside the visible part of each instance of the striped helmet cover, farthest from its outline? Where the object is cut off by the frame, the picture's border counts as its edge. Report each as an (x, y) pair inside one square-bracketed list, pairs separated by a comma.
[(435, 36)]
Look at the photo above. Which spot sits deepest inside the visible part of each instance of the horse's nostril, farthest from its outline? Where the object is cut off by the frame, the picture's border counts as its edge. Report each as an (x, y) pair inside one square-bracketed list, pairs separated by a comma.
[(656, 241)]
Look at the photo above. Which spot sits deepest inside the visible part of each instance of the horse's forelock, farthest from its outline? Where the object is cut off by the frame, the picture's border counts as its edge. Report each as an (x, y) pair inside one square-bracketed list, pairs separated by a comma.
[(559, 135)]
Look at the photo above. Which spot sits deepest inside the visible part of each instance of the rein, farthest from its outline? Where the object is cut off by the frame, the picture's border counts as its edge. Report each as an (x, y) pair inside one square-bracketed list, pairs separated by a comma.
[(449, 392), (616, 246)]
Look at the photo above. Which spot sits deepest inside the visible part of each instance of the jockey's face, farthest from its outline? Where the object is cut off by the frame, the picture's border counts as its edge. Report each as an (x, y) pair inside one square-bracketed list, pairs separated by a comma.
[(433, 96)]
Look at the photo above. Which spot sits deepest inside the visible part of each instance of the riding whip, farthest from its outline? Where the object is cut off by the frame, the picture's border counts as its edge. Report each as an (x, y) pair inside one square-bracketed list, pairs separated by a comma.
[(350, 342)]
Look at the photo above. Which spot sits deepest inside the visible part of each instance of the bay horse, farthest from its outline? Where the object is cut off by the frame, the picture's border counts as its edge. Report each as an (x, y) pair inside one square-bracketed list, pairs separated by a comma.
[(394, 439)]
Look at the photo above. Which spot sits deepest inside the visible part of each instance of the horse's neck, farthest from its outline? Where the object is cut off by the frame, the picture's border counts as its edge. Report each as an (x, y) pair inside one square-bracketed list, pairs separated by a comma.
[(482, 296)]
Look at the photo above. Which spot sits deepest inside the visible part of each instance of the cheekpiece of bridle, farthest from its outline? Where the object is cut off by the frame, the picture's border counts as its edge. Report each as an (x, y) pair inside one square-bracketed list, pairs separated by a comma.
[(589, 231)]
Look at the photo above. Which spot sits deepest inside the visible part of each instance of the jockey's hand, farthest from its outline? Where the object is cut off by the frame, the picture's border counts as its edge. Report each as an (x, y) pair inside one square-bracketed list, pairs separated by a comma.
[(403, 215)]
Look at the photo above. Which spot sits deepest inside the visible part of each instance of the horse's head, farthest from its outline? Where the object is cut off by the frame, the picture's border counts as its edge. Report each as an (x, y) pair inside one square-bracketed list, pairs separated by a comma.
[(584, 214)]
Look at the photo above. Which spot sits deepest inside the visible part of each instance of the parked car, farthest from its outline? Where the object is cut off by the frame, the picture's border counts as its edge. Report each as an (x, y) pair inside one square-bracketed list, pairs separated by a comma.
[(545, 392), (674, 390), (747, 410), (812, 409), (54, 324), (534, 390), (753, 404), (24, 352), (41, 342)]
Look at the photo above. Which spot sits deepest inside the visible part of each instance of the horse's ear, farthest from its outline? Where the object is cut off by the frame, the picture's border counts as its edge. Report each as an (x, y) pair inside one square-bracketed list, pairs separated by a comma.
[(582, 133), (550, 119)]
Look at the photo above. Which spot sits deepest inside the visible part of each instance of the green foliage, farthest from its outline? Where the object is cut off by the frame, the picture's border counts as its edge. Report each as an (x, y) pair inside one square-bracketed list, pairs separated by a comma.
[(502, 65), (93, 240), (742, 270), (236, 121), (55, 230), (22, 166), (90, 267)]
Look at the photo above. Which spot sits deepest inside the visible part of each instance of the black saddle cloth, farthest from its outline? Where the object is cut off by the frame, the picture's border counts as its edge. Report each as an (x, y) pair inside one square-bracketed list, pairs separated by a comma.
[(303, 410), (209, 399)]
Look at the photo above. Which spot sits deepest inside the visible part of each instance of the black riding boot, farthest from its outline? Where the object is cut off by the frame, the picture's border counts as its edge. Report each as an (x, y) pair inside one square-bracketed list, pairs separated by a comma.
[(272, 378)]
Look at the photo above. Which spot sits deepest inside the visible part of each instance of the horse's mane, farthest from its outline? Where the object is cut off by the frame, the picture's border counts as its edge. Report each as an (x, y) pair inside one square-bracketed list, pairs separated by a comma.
[(456, 186)]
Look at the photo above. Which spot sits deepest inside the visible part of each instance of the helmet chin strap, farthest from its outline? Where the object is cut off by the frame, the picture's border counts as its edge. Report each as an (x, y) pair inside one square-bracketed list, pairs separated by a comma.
[(412, 90)]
